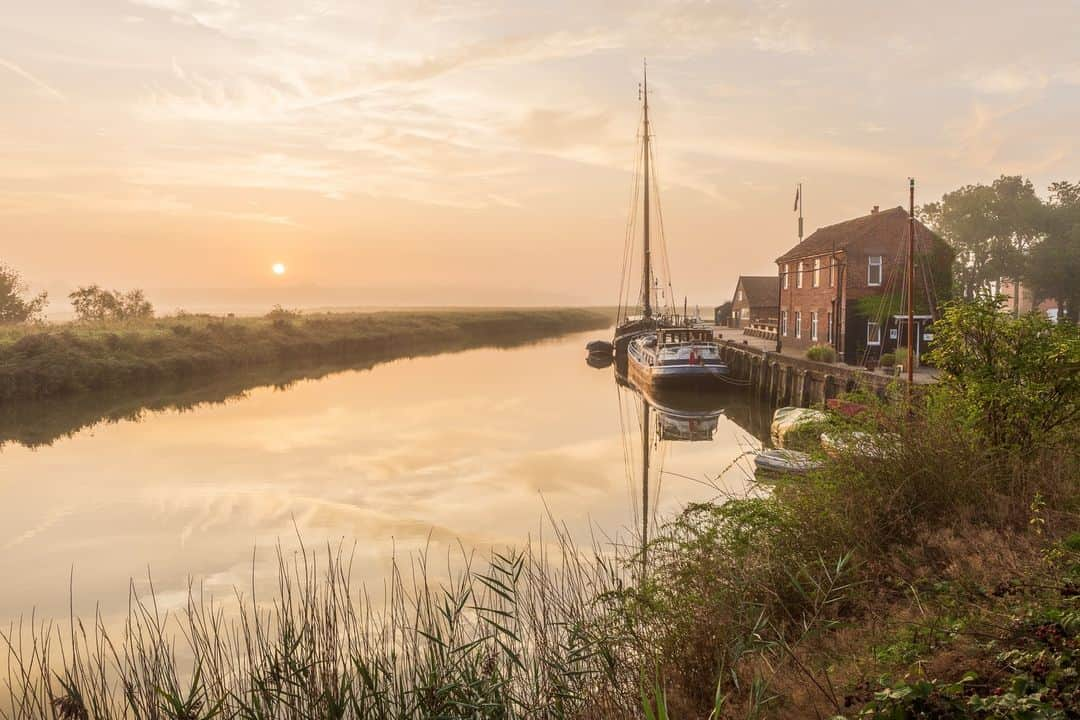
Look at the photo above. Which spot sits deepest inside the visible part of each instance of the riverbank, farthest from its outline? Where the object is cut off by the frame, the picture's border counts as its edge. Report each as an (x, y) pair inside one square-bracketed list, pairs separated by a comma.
[(58, 360), (929, 568)]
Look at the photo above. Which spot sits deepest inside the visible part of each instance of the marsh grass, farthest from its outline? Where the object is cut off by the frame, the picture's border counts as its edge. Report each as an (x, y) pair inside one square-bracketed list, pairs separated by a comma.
[(39, 361), (517, 636)]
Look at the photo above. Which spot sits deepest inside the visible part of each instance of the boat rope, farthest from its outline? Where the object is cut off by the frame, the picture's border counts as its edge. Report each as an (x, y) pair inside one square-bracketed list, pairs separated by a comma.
[(662, 235), (628, 240)]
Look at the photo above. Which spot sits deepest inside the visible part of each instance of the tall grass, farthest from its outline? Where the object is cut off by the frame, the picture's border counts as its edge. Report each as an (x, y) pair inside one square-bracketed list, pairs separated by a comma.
[(46, 361), (520, 635)]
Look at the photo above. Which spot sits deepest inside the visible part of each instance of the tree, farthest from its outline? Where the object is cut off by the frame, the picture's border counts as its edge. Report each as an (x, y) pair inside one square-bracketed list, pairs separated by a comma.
[(1020, 218), (991, 228), (1054, 265), (965, 219), (15, 306), (93, 303)]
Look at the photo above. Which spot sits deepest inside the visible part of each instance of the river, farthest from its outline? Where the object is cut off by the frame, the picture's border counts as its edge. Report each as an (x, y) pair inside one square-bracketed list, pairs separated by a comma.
[(473, 447)]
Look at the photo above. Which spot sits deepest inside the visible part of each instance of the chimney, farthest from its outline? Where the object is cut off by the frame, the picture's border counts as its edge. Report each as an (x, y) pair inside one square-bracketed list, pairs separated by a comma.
[(874, 210)]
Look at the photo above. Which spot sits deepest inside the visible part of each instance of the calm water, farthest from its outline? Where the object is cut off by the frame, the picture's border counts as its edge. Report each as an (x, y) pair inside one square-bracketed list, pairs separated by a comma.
[(470, 446)]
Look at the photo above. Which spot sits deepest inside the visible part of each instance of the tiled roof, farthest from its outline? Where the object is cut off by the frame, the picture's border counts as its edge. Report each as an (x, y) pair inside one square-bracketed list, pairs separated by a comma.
[(875, 226), (760, 290)]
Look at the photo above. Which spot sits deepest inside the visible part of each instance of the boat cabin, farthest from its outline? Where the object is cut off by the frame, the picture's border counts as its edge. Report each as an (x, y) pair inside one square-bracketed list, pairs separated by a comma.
[(679, 336)]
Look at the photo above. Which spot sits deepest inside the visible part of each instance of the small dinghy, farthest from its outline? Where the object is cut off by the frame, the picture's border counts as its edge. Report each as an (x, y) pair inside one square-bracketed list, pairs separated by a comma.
[(598, 361), (785, 462), (600, 347)]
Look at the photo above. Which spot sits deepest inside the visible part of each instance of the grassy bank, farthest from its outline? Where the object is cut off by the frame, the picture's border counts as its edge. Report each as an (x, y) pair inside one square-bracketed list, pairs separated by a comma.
[(54, 360), (929, 569)]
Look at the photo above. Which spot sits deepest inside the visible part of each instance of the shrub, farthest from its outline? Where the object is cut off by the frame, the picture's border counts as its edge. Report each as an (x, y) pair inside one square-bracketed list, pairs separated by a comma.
[(888, 360), (95, 303), (900, 356), (1014, 379), (15, 306), (821, 353)]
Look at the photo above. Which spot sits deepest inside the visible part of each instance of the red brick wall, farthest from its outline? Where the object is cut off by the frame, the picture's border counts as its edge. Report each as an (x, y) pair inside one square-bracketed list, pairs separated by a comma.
[(806, 300)]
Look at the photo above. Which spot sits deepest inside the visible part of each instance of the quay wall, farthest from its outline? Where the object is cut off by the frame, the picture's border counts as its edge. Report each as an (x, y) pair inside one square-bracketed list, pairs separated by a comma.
[(785, 380)]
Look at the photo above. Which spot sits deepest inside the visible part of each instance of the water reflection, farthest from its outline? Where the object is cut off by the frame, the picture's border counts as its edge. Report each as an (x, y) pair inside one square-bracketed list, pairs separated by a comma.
[(684, 416), (475, 447)]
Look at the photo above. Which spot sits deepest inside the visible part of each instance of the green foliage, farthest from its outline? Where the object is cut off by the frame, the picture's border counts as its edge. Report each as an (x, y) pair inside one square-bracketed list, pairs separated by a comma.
[(991, 228), (821, 353), (1017, 381), (56, 360), (94, 304), (1054, 265), (888, 360), (15, 306)]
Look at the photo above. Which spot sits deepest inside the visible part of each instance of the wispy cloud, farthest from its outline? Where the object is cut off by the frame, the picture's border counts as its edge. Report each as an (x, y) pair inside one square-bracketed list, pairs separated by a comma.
[(40, 84)]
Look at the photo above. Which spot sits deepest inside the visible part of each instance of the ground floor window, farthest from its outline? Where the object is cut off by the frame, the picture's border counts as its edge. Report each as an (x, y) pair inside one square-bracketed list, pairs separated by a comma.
[(783, 323), (798, 324), (873, 333), (828, 327), (813, 325)]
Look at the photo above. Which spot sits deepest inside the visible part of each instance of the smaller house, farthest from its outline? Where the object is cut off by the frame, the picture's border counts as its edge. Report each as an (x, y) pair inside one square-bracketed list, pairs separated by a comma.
[(756, 300)]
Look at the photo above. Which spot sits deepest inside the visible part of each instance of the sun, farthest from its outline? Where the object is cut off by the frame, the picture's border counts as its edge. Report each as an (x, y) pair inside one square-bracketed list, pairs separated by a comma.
[(278, 268)]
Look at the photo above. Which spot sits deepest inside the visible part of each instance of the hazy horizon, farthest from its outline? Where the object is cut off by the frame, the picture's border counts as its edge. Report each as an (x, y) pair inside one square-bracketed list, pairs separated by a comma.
[(480, 152)]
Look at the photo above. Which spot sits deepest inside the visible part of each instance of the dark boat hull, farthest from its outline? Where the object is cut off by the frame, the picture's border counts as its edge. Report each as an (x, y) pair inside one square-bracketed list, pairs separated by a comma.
[(676, 377)]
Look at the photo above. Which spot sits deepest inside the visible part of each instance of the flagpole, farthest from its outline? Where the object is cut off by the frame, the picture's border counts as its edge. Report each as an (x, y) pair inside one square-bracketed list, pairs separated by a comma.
[(800, 196)]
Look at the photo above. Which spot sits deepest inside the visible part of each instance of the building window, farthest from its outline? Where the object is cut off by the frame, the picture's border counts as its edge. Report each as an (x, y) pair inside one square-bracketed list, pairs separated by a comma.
[(740, 294), (786, 268), (832, 264), (817, 272), (873, 333), (783, 323), (813, 326), (873, 270), (745, 313), (798, 324), (828, 327), (798, 275)]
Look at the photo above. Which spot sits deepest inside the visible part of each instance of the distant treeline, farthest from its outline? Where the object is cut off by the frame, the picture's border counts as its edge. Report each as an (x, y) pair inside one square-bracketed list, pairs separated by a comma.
[(42, 361)]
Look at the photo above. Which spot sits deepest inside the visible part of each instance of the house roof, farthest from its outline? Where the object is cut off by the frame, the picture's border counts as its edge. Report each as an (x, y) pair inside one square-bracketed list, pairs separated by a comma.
[(891, 223), (760, 290)]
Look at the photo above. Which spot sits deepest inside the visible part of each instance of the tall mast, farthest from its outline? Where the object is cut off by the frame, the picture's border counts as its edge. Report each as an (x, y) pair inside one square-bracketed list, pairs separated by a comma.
[(911, 288), (646, 277)]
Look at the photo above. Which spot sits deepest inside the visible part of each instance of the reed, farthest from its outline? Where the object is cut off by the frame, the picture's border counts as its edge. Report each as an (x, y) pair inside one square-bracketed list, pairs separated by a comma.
[(520, 635)]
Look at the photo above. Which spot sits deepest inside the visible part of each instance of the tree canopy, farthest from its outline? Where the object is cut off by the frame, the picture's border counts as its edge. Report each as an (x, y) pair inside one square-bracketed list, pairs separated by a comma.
[(1005, 232), (15, 303)]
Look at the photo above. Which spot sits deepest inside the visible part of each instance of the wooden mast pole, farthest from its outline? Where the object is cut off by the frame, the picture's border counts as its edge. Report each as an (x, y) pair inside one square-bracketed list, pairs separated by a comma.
[(646, 279), (911, 288)]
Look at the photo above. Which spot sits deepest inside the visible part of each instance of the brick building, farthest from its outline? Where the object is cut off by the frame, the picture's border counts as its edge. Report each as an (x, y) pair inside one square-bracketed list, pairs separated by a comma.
[(755, 301), (845, 285)]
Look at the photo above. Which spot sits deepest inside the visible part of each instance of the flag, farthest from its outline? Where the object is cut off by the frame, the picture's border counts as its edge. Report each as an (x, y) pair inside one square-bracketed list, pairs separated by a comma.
[(798, 189)]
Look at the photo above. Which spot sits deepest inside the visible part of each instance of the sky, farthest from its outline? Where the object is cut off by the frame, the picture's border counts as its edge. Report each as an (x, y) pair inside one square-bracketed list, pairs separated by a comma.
[(481, 152)]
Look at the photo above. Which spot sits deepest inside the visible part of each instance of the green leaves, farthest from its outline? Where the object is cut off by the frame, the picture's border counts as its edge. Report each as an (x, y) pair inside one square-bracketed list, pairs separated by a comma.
[(1017, 380)]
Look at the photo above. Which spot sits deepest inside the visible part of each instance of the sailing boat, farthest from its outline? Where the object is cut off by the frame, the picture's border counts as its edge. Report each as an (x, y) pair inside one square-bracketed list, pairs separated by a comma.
[(658, 348)]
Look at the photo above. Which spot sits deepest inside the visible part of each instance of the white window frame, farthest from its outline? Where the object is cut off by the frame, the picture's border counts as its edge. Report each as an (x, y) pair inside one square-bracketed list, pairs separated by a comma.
[(817, 272), (828, 326), (870, 337), (874, 261), (798, 276), (813, 325), (740, 297), (787, 271), (798, 324), (783, 323), (832, 265), (744, 314)]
